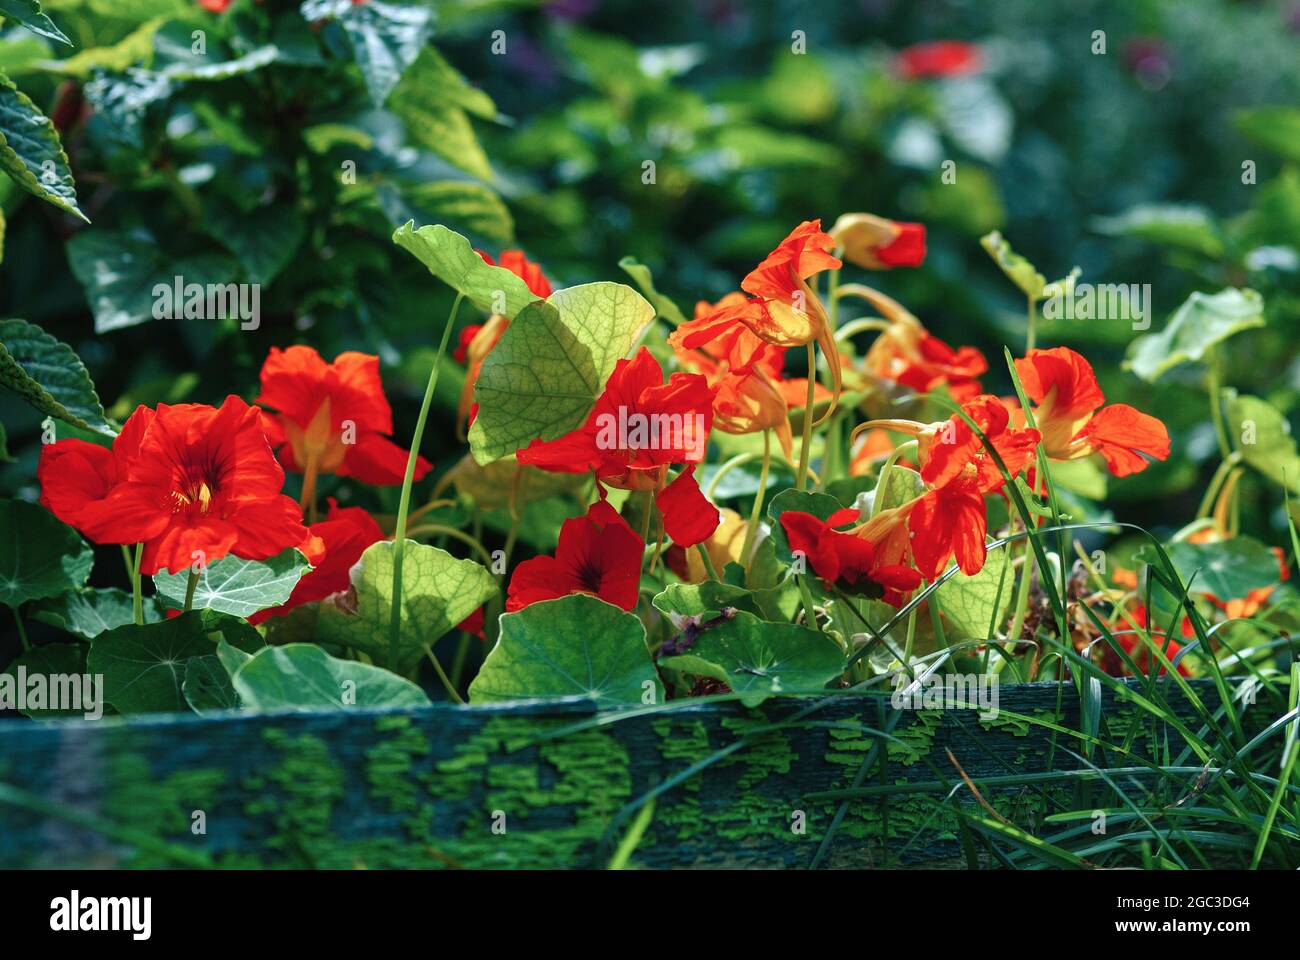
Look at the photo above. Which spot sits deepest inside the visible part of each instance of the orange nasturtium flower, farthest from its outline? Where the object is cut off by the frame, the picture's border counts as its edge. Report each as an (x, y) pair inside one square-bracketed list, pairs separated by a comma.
[(854, 562), (477, 340), (1067, 397), (638, 428), (193, 483), (907, 353), (783, 310), (332, 417), (879, 244), (949, 519)]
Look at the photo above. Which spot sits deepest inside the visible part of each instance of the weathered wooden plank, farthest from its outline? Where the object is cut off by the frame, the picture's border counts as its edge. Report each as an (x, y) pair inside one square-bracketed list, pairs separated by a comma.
[(426, 787)]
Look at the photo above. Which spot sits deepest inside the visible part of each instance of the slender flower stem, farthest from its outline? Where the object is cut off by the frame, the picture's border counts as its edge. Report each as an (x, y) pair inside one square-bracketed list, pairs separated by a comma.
[(438, 530), (22, 631), (708, 562), (809, 610), (751, 529), (883, 478), (1031, 331), (442, 675), (137, 598), (399, 534), (857, 326), (307, 500), (1215, 387), (801, 480), (190, 586)]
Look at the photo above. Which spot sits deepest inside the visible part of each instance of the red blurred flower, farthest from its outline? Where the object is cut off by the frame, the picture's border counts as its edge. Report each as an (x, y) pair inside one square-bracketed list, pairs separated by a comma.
[(523, 268), (879, 244), (216, 6), (473, 624), (847, 559), (189, 481), (598, 554), (637, 429), (940, 58), (332, 414), (1067, 397), (1136, 647), (345, 533)]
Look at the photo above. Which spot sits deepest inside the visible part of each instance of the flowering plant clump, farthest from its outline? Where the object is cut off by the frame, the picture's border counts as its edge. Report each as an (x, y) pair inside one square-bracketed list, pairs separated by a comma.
[(380, 424)]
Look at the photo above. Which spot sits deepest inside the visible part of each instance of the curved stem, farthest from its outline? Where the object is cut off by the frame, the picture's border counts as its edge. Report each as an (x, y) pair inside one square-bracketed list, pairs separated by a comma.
[(1216, 481), (884, 474), (442, 675), (399, 534), (801, 480), (725, 469), (854, 327), (708, 562), (137, 598), (1215, 387), (757, 511), (440, 530)]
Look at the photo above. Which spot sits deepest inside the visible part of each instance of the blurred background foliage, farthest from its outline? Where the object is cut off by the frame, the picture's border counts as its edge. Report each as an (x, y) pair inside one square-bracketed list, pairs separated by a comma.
[(287, 151)]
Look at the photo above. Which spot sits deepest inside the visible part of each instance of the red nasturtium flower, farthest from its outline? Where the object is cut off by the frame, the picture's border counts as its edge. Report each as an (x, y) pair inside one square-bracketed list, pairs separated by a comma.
[(784, 310), (1067, 397), (346, 532), (939, 58), (907, 353), (216, 6), (189, 481), (332, 415), (477, 340), (851, 561), (879, 244), (597, 554), (637, 429)]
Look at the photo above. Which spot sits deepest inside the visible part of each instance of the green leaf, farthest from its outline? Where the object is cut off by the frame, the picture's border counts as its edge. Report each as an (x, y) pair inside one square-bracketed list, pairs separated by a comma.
[(207, 685), (231, 657), (695, 599), (1275, 128), (264, 240), (574, 646), (28, 13), (135, 48), (1227, 569), (1084, 477), (31, 153), (385, 38), (1265, 440), (49, 661), (472, 206), (438, 592), (237, 586), (1183, 226), (92, 611), (433, 101), (144, 666), (550, 366), (1020, 271), (432, 77), (39, 556), (664, 307), (49, 375), (1202, 321), (302, 676), (121, 273), (452, 260), (972, 604), (758, 659)]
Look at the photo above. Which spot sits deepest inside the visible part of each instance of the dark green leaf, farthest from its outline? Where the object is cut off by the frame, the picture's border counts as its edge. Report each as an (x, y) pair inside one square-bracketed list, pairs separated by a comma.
[(39, 556), (50, 376), (302, 676), (31, 153)]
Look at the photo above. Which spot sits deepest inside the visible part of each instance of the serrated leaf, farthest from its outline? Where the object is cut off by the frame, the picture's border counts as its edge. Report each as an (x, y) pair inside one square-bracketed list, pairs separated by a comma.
[(1201, 322), (207, 685), (31, 153), (302, 676), (144, 666), (433, 102), (1265, 440), (50, 661), (573, 646), (550, 366), (664, 307), (49, 375), (121, 271), (30, 15), (452, 260), (759, 660), (386, 38), (438, 592), (237, 586), (972, 604), (39, 556), (90, 612)]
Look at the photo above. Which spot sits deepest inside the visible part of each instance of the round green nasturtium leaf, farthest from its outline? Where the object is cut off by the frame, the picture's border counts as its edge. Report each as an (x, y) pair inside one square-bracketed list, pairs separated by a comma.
[(972, 604), (39, 556), (207, 685), (694, 599), (549, 368), (1203, 320), (452, 259), (89, 612), (144, 666), (237, 586), (1263, 436), (438, 592), (758, 659), (573, 646), (65, 659), (1227, 569), (302, 676)]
